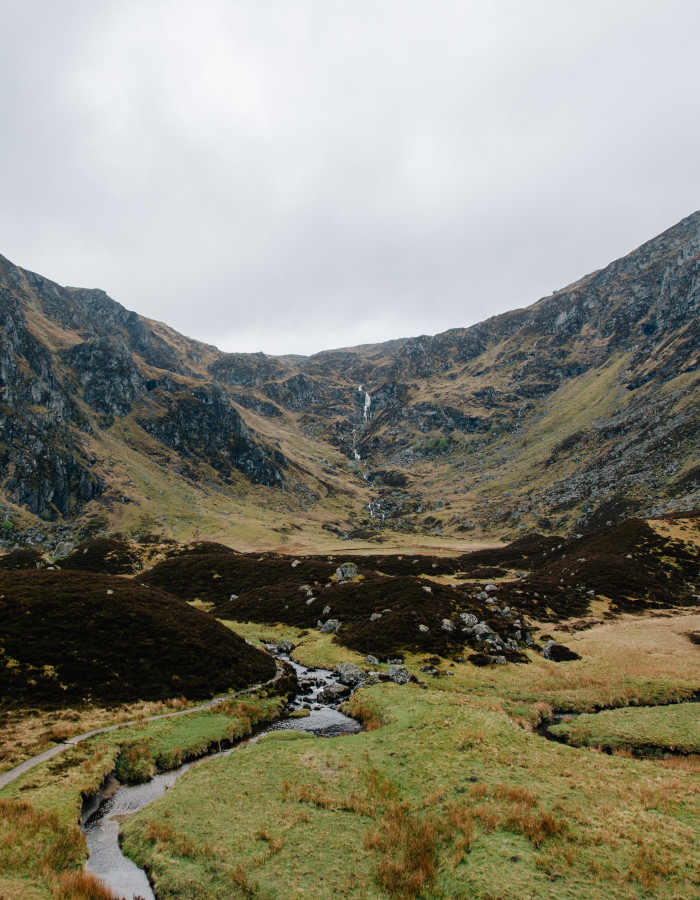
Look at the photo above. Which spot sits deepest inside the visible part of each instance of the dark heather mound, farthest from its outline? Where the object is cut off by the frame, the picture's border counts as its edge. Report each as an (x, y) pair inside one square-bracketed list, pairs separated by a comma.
[(523, 553), (201, 547), (213, 577), (403, 604), (67, 637), (628, 563), (23, 559), (105, 555)]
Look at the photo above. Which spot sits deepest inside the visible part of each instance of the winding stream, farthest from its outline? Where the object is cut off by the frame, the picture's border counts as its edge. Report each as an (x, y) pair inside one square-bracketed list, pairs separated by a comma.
[(101, 820)]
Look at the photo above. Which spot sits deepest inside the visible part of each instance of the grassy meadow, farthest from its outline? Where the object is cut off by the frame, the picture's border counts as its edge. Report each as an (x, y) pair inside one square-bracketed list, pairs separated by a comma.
[(449, 793)]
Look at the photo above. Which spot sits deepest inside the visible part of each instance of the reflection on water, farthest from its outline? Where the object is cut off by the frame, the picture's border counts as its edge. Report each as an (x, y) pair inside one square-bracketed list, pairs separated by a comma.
[(102, 829)]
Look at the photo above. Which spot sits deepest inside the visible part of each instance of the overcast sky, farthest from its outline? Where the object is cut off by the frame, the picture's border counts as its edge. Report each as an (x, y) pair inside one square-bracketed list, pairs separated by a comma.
[(297, 175)]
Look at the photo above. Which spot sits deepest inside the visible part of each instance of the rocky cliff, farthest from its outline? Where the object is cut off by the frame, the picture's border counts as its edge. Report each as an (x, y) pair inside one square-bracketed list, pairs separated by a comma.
[(575, 411)]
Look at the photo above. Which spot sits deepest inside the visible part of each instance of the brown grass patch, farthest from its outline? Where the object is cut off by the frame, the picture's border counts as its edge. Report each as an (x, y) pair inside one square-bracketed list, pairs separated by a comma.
[(649, 866), (80, 885), (408, 844), (167, 837)]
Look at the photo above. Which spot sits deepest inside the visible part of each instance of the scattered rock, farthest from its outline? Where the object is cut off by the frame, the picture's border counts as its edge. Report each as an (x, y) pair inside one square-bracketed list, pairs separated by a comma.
[(333, 692), (447, 625), (285, 647), (558, 652), (469, 619), (329, 626), (481, 630), (371, 661), (326, 610), (346, 571), (399, 674), (423, 628), (375, 616), (350, 674), (395, 662), (500, 661), (63, 548)]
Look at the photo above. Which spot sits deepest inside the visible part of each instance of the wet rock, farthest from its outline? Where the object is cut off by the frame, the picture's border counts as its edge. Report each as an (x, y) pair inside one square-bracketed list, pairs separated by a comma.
[(399, 674), (346, 571), (332, 693), (329, 626)]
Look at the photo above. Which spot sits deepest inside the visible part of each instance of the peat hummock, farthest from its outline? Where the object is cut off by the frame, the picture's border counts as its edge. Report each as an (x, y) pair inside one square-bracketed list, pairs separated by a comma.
[(68, 637)]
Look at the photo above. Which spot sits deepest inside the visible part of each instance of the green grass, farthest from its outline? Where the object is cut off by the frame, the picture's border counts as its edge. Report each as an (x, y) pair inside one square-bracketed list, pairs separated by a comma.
[(647, 731), (449, 795), (40, 842)]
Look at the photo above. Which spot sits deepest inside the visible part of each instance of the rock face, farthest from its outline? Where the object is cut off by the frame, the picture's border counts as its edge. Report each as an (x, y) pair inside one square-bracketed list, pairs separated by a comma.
[(203, 423)]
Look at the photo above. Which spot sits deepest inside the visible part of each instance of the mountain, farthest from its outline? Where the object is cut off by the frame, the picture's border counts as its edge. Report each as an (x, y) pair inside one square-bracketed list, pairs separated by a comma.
[(571, 413)]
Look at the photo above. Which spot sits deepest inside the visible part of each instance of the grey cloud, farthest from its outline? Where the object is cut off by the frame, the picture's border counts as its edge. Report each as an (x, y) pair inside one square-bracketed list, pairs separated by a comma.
[(294, 176)]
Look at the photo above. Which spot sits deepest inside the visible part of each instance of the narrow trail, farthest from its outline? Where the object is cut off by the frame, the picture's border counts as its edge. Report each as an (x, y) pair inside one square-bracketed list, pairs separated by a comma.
[(28, 764)]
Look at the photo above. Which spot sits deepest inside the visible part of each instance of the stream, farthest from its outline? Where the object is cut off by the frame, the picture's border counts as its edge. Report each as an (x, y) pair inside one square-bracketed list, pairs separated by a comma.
[(100, 817)]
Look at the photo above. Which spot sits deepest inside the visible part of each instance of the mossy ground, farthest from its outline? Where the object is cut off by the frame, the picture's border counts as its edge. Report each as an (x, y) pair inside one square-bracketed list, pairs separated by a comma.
[(452, 796)]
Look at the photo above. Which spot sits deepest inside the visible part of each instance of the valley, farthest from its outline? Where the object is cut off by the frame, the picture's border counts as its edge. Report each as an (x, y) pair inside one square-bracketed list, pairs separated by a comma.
[(483, 546)]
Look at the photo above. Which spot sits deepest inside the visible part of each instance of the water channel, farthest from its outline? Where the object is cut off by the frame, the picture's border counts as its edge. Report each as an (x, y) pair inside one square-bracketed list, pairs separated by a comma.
[(101, 820)]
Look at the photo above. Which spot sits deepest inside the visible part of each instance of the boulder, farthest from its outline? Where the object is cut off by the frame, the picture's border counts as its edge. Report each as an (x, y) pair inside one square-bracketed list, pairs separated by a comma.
[(447, 625), (395, 662), (285, 647), (558, 652), (63, 549), (329, 626), (375, 616), (332, 693), (326, 611), (481, 630), (350, 674), (371, 660), (469, 619), (423, 628), (347, 570), (500, 661), (399, 674)]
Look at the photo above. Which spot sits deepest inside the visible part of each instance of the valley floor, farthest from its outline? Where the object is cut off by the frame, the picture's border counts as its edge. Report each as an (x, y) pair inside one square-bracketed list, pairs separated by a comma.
[(449, 793)]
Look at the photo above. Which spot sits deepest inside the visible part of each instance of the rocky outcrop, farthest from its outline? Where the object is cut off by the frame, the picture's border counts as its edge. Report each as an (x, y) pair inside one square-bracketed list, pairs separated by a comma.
[(108, 375), (204, 424)]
